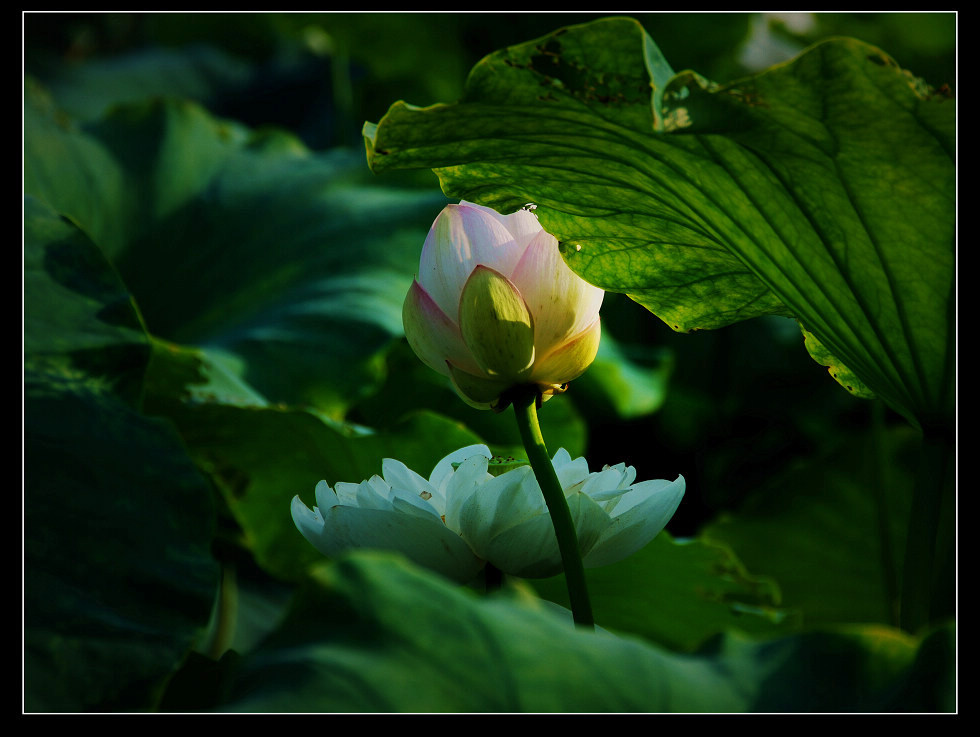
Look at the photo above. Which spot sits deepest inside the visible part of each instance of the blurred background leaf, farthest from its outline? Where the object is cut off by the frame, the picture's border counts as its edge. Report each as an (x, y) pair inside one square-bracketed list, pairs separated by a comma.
[(680, 594), (291, 262), (118, 522), (831, 528), (370, 633), (261, 455)]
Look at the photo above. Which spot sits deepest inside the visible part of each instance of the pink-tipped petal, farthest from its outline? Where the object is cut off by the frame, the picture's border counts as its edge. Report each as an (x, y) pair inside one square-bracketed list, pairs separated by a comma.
[(522, 225), (461, 237)]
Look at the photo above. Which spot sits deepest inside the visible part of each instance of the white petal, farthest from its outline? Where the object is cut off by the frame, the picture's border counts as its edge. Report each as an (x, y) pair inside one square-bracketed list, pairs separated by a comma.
[(572, 473), (379, 486), (461, 487), (608, 499), (373, 495), (561, 458), (441, 473), (639, 493), (494, 506), (590, 519), (325, 498), (530, 549), (308, 521), (609, 486), (608, 479), (647, 508), (410, 502), (346, 494), (423, 540), (399, 476)]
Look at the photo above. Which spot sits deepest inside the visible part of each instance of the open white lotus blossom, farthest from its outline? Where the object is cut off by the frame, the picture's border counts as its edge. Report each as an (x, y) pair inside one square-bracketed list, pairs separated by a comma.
[(495, 306), (463, 516)]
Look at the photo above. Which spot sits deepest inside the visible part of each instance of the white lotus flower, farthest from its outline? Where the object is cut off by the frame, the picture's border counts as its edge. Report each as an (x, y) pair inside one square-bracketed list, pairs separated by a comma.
[(463, 516), (495, 306)]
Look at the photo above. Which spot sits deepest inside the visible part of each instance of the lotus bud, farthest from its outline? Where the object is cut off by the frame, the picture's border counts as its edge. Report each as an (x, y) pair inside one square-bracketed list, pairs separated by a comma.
[(495, 307)]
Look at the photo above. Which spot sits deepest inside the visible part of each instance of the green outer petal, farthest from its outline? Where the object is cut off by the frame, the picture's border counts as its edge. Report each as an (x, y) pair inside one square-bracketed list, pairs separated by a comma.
[(496, 324), (476, 391), (432, 334), (425, 541), (639, 523)]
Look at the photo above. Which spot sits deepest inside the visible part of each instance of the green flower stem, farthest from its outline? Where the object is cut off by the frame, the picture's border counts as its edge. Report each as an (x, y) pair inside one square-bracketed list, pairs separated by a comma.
[(525, 408), (925, 546)]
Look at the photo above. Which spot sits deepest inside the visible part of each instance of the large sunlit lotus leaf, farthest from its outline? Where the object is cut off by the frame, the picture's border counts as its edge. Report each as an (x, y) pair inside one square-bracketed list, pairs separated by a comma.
[(118, 575), (294, 264), (822, 188), (448, 650)]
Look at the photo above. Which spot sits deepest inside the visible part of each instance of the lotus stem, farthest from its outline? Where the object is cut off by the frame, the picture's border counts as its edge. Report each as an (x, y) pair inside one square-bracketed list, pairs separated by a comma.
[(525, 408)]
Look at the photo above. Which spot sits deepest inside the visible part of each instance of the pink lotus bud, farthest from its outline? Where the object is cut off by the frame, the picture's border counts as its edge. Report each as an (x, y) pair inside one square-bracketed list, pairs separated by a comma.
[(495, 306)]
